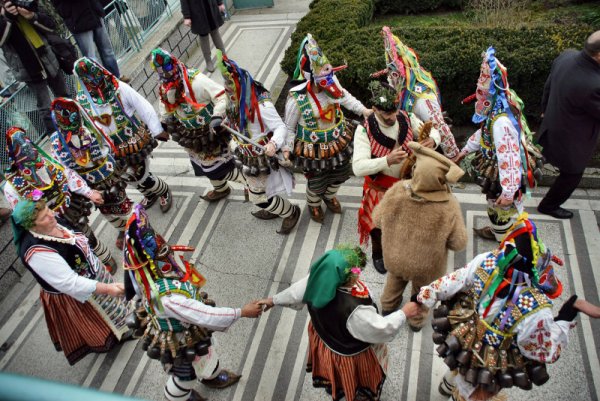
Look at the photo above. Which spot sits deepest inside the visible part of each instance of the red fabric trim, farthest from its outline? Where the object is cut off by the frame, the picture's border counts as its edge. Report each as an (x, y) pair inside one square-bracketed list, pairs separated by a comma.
[(371, 198)]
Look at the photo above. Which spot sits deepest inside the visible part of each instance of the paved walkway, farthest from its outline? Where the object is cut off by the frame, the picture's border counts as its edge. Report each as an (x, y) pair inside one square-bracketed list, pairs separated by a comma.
[(245, 259)]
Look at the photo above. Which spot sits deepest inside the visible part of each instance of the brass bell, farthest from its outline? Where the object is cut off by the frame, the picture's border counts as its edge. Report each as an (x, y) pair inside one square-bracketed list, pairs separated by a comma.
[(153, 353), (190, 354), (441, 324), (453, 343), (146, 343), (472, 375), (132, 321), (438, 338), (505, 379), (538, 374), (202, 347), (451, 361), (441, 311), (485, 376), (464, 357)]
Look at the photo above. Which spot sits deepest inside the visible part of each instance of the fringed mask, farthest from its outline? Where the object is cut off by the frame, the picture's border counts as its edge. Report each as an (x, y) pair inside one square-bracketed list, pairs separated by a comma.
[(22, 153), (165, 65), (66, 116), (312, 63), (98, 82), (492, 88), (396, 75)]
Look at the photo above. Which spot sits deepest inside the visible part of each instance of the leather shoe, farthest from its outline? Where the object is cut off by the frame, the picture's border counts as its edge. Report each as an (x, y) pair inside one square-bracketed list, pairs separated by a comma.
[(379, 266), (120, 240), (224, 379), (558, 213), (195, 396), (316, 213), (485, 233), (333, 205), (264, 215), (213, 196), (166, 201), (290, 222)]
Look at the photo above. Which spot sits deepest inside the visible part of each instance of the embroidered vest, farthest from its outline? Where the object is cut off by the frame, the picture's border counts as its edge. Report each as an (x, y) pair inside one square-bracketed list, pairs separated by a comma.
[(167, 286), (310, 132), (56, 194), (381, 144)]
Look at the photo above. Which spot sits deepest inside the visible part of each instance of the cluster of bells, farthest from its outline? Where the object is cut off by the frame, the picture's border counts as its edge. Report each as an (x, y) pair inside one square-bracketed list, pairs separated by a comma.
[(481, 365), (167, 346), (79, 210), (113, 192), (137, 156), (322, 164), (255, 165), (200, 140)]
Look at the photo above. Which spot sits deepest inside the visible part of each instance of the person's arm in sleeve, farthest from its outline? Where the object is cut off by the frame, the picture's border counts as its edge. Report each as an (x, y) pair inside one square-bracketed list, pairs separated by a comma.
[(416, 123), (42, 21), (506, 140), (292, 116), (53, 269), (134, 102), (292, 296), (592, 104), (447, 286), (274, 123), (11, 195), (473, 143), (457, 240), (362, 163), (185, 9), (77, 184), (541, 338), (365, 324), (195, 312), (211, 92), (353, 104)]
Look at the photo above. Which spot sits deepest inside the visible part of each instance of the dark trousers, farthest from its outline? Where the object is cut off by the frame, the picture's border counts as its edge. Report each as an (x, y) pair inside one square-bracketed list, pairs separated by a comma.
[(42, 95), (560, 191)]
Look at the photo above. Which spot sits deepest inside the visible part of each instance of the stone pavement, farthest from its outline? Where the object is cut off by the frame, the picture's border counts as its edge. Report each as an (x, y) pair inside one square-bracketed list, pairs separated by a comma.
[(245, 259)]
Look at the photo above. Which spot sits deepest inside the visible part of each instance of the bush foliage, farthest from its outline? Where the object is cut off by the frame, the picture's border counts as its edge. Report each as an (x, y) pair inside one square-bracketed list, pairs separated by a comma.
[(414, 7), (453, 55)]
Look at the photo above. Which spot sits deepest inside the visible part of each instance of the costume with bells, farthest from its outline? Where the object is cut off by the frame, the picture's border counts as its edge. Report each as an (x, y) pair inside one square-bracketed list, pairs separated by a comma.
[(502, 165), (407, 215), (313, 115), (79, 321), (79, 144), (192, 109), (495, 327), (374, 140), (251, 112), (176, 318), (129, 121), (417, 91), (35, 175)]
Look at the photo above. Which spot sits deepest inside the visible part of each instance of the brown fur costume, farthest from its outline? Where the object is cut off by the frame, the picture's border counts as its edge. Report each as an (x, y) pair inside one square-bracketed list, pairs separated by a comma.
[(420, 221)]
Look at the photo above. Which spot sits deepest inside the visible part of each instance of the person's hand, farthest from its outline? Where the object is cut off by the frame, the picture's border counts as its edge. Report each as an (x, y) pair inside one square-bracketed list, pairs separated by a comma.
[(222, 8), (163, 136), (270, 149), (411, 309), (367, 113), (501, 201), (116, 290), (396, 156), (96, 197), (187, 22), (266, 303), (11, 8), (26, 13), (286, 154), (428, 143), (589, 309), (458, 158), (252, 309)]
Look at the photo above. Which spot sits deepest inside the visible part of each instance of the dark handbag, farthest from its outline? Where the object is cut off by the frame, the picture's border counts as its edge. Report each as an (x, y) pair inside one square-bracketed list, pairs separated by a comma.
[(65, 52)]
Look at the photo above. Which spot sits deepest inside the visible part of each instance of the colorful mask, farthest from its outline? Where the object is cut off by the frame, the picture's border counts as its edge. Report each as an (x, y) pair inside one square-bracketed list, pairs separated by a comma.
[(312, 63), (98, 82), (22, 153), (165, 65)]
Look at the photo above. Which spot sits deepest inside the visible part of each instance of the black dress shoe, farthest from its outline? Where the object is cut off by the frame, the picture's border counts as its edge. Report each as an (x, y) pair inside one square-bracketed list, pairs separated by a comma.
[(558, 213), (379, 266)]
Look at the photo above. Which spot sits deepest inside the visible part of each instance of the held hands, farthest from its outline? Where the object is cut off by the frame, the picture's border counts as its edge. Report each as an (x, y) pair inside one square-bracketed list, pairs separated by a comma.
[(411, 309), (267, 303), (428, 143), (96, 197), (252, 309), (396, 156), (163, 136), (501, 201), (116, 290), (270, 149), (458, 158), (589, 309)]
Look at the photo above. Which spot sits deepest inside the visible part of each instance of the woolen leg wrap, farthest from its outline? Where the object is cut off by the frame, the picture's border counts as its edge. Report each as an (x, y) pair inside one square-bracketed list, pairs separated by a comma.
[(331, 191), (499, 226), (153, 186), (102, 252), (178, 390), (221, 184), (312, 198), (280, 206), (118, 222)]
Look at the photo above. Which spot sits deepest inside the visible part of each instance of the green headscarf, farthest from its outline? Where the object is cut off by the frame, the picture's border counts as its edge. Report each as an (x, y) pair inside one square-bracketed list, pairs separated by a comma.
[(329, 272), (23, 219)]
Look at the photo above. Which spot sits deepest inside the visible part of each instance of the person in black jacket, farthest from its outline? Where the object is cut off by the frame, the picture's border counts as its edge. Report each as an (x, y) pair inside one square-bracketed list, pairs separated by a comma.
[(571, 121), (29, 56), (84, 18), (205, 17)]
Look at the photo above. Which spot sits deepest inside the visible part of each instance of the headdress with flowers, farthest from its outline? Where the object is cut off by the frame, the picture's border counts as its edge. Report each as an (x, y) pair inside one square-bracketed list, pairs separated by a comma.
[(383, 96), (330, 271)]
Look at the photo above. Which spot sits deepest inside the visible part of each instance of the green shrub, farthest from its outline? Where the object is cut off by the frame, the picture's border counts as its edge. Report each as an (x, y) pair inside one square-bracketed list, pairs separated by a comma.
[(453, 55), (383, 7)]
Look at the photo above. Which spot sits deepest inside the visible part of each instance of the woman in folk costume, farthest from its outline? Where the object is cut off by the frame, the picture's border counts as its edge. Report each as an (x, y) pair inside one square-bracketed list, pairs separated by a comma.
[(193, 108), (131, 124), (502, 165), (495, 325), (35, 175), (418, 92), (346, 354), (381, 156), (85, 309), (176, 317), (323, 137), (79, 144), (251, 113), (420, 221)]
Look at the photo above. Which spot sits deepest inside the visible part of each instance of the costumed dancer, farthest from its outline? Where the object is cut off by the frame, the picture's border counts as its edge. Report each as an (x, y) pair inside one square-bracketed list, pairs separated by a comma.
[(407, 215), (502, 165), (130, 122), (380, 155), (177, 319), (495, 327), (34, 175), (252, 114), (192, 109), (79, 144), (84, 308), (323, 137), (417, 90), (347, 354)]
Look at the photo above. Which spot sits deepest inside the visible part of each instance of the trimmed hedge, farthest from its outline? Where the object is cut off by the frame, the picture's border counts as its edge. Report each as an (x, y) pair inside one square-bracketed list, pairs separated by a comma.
[(414, 7), (453, 55)]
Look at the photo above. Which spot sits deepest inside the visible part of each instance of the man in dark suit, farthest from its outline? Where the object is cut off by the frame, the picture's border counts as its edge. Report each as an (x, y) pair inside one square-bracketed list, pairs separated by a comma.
[(571, 121)]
